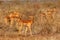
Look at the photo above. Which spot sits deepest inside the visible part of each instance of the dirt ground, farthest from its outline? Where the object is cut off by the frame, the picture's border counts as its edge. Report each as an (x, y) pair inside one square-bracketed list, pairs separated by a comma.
[(44, 27)]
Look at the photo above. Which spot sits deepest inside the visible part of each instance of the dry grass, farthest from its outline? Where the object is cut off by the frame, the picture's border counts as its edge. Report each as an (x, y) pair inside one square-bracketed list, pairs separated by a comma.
[(42, 30)]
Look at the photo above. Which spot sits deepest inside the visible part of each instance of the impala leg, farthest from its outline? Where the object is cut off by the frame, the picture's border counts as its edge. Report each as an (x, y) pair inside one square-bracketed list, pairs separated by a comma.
[(20, 28), (16, 23), (29, 26), (6, 21), (12, 21), (26, 31)]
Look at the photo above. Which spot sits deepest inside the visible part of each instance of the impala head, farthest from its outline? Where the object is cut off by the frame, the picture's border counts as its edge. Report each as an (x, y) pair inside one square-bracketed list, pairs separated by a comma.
[(15, 13), (31, 17), (51, 10)]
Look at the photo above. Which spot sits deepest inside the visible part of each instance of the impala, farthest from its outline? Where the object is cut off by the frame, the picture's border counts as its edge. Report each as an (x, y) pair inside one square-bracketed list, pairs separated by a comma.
[(50, 13), (11, 17), (28, 24)]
